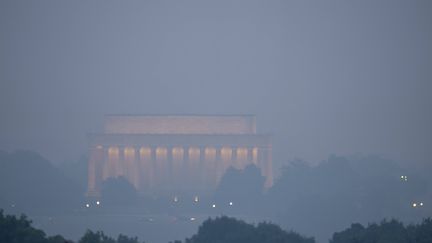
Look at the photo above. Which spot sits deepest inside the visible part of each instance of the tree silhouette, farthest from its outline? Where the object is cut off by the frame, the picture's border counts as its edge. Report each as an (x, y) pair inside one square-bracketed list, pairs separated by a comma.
[(118, 191), (391, 231), (230, 230), (242, 187), (13, 229)]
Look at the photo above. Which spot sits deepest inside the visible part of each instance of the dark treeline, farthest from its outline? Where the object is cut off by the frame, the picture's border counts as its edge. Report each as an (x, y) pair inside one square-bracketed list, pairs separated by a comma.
[(387, 231), (318, 200), (230, 230), (30, 183), (19, 229), (322, 199), (313, 200)]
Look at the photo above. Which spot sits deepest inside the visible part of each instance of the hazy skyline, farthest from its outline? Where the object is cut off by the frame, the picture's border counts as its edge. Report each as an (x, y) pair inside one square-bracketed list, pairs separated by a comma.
[(335, 77)]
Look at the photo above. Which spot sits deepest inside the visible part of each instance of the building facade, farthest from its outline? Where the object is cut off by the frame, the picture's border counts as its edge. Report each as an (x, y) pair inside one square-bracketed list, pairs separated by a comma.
[(175, 154)]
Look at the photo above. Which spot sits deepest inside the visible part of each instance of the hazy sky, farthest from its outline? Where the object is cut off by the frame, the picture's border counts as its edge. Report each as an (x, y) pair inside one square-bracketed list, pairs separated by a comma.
[(323, 77)]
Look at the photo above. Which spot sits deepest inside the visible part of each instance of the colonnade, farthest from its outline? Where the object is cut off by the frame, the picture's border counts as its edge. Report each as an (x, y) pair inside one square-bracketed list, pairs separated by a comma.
[(172, 168)]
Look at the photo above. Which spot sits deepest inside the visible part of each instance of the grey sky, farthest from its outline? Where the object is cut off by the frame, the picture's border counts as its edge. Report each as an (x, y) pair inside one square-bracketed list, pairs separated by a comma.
[(323, 77)]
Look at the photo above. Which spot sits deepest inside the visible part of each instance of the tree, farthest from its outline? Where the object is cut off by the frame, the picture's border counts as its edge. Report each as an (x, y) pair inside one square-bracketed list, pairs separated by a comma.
[(342, 189), (13, 229), (125, 239), (243, 187), (118, 191), (230, 230), (392, 231), (33, 184), (96, 237), (100, 237)]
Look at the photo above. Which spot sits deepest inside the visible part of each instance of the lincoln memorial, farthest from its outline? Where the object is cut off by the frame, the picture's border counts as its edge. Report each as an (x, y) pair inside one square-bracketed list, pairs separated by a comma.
[(170, 154)]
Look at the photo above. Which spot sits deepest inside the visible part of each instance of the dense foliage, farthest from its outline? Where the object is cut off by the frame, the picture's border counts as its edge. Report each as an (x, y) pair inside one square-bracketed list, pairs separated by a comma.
[(386, 232), (342, 190), (231, 230), (243, 187), (30, 183), (118, 192), (19, 229), (100, 237)]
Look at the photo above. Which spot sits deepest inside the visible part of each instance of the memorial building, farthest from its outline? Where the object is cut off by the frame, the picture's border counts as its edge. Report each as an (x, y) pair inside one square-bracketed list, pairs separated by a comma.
[(175, 154)]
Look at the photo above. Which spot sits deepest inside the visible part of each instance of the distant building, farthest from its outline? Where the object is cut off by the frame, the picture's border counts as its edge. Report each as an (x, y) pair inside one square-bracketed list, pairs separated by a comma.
[(174, 154)]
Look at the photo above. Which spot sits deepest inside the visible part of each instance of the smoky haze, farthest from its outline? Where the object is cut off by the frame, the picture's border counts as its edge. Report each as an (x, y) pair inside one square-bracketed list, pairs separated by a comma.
[(323, 78), (343, 87)]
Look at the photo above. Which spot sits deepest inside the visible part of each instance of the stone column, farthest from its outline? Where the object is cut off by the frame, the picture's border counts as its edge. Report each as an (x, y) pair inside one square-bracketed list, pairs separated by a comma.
[(105, 164), (146, 168), (120, 168), (177, 167), (194, 167), (153, 178), (185, 173), (94, 171), (249, 156), (140, 168), (265, 164), (218, 166), (202, 165), (137, 167), (130, 167), (234, 161), (169, 167), (112, 159)]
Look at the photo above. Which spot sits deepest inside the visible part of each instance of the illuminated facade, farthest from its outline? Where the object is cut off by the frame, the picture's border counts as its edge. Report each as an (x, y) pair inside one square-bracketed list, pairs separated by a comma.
[(174, 154)]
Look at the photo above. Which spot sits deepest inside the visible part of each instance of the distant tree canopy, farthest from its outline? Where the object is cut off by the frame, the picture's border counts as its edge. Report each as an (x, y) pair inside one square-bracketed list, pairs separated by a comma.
[(19, 230), (100, 237), (386, 232), (241, 187), (341, 190), (231, 230), (31, 183), (118, 191), (13, 229)]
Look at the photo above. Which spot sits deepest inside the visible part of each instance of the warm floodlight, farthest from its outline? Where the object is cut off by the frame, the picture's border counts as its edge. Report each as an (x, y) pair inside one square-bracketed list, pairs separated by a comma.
[(414, 205)]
